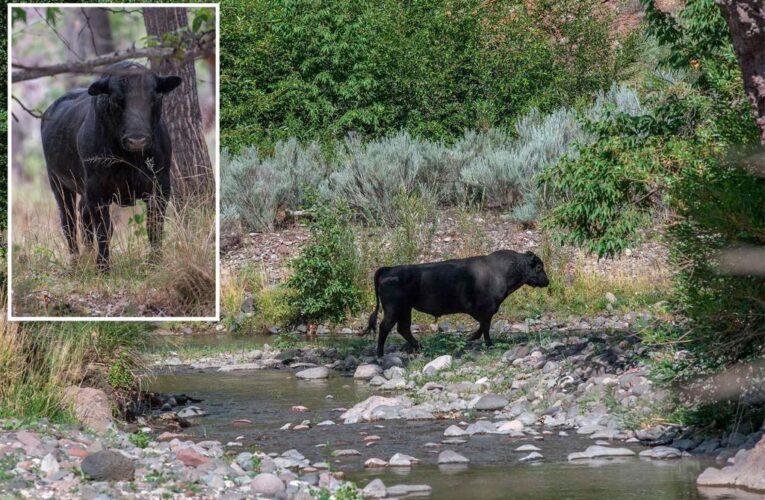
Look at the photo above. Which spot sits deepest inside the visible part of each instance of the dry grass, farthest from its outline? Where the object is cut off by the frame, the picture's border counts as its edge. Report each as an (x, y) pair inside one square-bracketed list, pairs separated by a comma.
[(46, 282), (39, 360)]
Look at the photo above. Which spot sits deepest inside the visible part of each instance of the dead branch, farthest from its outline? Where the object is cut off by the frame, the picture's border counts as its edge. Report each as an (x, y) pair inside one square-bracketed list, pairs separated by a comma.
[(24, 73)]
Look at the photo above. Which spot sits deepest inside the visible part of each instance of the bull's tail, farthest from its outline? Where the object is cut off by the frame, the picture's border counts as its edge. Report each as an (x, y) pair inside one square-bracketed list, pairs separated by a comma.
[(372, 325)]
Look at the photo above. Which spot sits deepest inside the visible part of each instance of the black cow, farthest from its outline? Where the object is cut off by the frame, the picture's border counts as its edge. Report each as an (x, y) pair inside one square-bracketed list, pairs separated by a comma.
[(109, 144), (476, 286)]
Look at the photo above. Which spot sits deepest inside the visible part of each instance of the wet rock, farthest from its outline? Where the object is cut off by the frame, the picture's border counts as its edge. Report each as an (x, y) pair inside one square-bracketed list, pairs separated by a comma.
[(364, 410), (454, 440), (402, 490), (394, 373), (437, 365), (481, 427), (391, 360), (661, 453), (454, 431), (746, 471), (687, 444), (240, 367), (350, 452), (402, 460), (491, 402), (374, 463), (532, 457), (597, 451), (708, 446), (366, 372), (267, 484), (107, 465), (318, 373), (191, 412), (451, 457), (377, 381), (375, 489), (527, 447), (90, 406)]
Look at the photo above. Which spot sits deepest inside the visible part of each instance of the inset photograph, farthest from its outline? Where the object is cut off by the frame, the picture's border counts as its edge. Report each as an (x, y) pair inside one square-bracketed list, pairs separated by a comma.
[(112, 164)]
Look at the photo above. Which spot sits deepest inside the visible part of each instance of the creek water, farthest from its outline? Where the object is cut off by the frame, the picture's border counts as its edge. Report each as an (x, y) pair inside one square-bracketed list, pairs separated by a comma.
[(266, 398)]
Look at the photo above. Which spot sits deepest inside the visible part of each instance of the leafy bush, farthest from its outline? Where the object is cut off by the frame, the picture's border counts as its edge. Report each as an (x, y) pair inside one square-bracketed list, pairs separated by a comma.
[(324, 283), (139, 439), (318, 70)]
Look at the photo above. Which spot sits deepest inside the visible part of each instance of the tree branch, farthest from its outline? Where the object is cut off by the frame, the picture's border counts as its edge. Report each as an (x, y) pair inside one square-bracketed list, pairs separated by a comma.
[(25, 73)]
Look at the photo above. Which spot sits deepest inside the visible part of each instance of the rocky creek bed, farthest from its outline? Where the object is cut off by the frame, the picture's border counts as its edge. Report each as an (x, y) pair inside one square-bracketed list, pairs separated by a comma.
[(550, 417)]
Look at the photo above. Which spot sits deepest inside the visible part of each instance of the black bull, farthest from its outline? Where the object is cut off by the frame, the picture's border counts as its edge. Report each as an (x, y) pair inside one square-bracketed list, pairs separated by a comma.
[(476, 286), (109, 144)]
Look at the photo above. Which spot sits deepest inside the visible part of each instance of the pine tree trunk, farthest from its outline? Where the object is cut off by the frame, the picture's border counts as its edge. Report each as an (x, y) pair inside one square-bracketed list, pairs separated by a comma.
[(746, 20), (193, 173)]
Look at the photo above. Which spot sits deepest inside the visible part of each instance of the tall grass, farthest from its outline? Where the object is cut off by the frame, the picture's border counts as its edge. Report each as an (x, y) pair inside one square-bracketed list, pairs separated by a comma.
[(39, 360), (179, 282)]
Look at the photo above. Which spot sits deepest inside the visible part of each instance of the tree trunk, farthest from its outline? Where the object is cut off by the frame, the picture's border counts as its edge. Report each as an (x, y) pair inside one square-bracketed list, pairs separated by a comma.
[(192, 169), (746, 20)]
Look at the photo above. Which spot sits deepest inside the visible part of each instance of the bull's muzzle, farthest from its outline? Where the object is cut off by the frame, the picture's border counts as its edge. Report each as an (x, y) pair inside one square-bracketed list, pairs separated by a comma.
[(136, 142)]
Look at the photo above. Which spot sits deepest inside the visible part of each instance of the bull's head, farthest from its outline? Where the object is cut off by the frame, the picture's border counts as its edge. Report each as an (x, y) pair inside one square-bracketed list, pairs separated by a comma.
[(535, 272), (131, 100)]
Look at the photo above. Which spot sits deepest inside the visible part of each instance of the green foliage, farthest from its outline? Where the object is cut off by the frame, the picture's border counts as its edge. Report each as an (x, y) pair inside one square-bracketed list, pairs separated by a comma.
[(318, 70), (325, 273), (287, 340), (139, 439), (721, 207), (439, 344), (120, 375)]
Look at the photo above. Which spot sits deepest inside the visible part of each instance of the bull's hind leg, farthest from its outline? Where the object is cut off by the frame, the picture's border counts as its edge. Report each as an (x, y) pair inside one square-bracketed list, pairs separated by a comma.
[(65, 199), (386, 325), (404, 326)]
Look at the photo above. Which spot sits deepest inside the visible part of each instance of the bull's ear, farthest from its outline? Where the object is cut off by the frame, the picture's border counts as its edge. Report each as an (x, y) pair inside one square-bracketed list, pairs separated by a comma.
[(166, 84), (100, 86)]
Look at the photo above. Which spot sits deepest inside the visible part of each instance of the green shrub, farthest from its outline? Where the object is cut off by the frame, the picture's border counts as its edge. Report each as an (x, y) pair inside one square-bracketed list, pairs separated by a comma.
[(139, 439), (324, 281)]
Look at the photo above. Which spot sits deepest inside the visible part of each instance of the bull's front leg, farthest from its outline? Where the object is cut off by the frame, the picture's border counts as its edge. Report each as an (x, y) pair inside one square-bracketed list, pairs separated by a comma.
[(98, 207), (156, 205)]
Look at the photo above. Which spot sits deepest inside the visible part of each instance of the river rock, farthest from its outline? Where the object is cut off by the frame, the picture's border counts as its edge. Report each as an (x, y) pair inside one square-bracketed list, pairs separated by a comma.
[(402, 460), (597, 451), (509, 426), (320, 372), (454, 431), (532, 457), (527, 447), (661, 453), (374, 463), (364, 411), (451, 457), (90, 406), (49, 465), (267, 484), (394, 372), (108, 465), (375, 489), (366, 372), (438, 364), (240, 367), (377, 380), (491, 402), (747, 471), (402, 490), (349, 452), (191, 458), (191, 412), (481, 427)]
